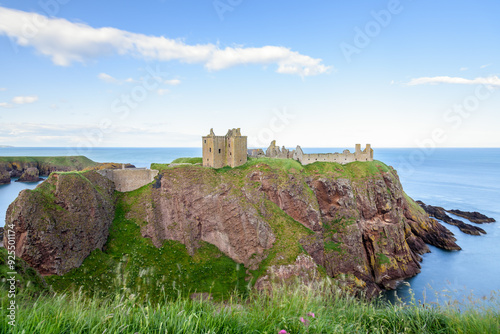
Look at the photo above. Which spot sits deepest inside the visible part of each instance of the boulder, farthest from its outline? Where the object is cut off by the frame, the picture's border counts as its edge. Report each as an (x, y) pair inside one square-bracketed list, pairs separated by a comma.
[(30, 175)]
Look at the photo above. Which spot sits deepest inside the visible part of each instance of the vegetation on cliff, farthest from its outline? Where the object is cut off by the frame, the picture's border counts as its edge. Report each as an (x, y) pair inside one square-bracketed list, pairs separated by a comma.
[(204, 230), (131, 265), (73, 162), (28, 167), (60, 222)]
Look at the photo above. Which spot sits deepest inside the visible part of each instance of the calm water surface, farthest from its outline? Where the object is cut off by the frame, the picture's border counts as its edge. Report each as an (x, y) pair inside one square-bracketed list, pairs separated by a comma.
[(466, 179)]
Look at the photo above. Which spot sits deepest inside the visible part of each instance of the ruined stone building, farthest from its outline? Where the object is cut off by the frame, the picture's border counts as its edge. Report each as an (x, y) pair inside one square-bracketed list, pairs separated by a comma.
[(345, 157), (228, 150)]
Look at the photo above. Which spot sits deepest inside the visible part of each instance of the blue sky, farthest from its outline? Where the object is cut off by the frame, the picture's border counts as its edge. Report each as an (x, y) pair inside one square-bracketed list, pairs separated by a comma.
[(319, 74)]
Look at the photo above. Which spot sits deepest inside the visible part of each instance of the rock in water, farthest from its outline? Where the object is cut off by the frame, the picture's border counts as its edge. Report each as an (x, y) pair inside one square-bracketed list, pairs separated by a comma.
[(440, 213), (62, 221), (4, 177), (30, 175), (474, 217)]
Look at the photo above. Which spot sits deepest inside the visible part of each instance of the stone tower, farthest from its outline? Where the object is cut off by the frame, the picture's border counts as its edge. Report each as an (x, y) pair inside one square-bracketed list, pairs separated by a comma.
[(228, 150)]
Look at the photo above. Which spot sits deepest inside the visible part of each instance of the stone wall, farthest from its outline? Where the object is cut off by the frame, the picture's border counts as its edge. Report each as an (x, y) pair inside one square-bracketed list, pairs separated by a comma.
[(345, 157), (130, 178)]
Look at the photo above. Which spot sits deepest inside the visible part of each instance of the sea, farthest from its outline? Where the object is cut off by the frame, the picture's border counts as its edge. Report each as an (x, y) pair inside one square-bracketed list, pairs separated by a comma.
[(454, 178)]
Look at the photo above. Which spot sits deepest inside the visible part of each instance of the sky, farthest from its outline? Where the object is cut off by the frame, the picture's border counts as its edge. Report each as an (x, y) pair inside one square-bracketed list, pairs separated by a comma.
[(161, 73)]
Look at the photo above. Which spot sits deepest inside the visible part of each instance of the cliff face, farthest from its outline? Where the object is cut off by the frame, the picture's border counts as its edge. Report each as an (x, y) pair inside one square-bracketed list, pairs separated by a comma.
[(59, 223), (353, 219), (276, 217), (4, 177), (16, 166)]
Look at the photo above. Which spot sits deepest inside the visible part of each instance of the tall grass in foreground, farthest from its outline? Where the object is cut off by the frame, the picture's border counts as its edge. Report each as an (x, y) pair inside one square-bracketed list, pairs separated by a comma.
[(322, 308)]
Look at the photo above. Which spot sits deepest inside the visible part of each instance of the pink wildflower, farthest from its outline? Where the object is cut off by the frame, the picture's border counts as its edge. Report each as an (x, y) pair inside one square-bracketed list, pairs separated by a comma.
[(311, 314), (282, 332), (302, 320)]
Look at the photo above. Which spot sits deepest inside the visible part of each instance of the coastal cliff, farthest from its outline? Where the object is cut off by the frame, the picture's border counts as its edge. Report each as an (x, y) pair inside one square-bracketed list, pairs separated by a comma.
[(17, 166), (62, 221), (353, 219), (267, 220)]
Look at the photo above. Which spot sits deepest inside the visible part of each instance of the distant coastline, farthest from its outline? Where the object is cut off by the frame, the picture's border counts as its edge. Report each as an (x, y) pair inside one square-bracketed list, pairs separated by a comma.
[(5, 146)]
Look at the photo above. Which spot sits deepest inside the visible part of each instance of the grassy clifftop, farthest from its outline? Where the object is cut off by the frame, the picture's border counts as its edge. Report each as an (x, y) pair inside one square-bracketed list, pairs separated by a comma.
[(79, 162)]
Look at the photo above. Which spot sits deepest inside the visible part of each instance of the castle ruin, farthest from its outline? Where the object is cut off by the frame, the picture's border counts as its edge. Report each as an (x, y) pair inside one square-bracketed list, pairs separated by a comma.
[(345, 157), (228, 150), (231, 150)]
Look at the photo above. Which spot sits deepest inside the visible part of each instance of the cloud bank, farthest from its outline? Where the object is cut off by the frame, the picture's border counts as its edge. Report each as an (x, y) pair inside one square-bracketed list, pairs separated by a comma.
[(67, 42), (492, 80)]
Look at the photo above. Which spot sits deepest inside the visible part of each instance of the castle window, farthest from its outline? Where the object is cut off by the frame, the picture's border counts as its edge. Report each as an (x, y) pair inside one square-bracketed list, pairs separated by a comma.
[(219, 150), (229, 145), (205, 141), (210, 149), (230, 153)]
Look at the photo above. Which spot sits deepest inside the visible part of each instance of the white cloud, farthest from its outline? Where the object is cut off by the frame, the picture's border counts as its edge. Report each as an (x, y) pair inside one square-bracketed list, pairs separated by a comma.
[(162, 92), (24, 99), (492, 80), (2, 89), (484, 66), (463, 69), (107, 78), (5, 105), (67, 42), (172, 82)]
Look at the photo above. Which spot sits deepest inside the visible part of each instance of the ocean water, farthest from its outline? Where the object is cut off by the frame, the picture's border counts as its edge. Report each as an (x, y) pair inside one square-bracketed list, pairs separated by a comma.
[(465, 179)]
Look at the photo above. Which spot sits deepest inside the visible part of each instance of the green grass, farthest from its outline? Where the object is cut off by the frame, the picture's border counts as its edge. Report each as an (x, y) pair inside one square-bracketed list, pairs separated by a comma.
[(188, 161), (334, 312), (131, 264)]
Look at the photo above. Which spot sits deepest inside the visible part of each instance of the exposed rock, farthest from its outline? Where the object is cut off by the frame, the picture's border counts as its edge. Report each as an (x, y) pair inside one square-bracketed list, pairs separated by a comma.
[(62, 221), (4, 177), (30, 175), (352, 220), (440, 213), (303, 270), (371, 230), (187, 209), (474, 217), (363, 226)]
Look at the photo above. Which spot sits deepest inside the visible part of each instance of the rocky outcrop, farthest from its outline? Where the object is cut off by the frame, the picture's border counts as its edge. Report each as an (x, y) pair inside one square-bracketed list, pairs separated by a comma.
[(356, 219), (186, 208), (62, 221), (4, 177), (474, 217), (16, 166), (30, 175), (440, 213), (276, 217)]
